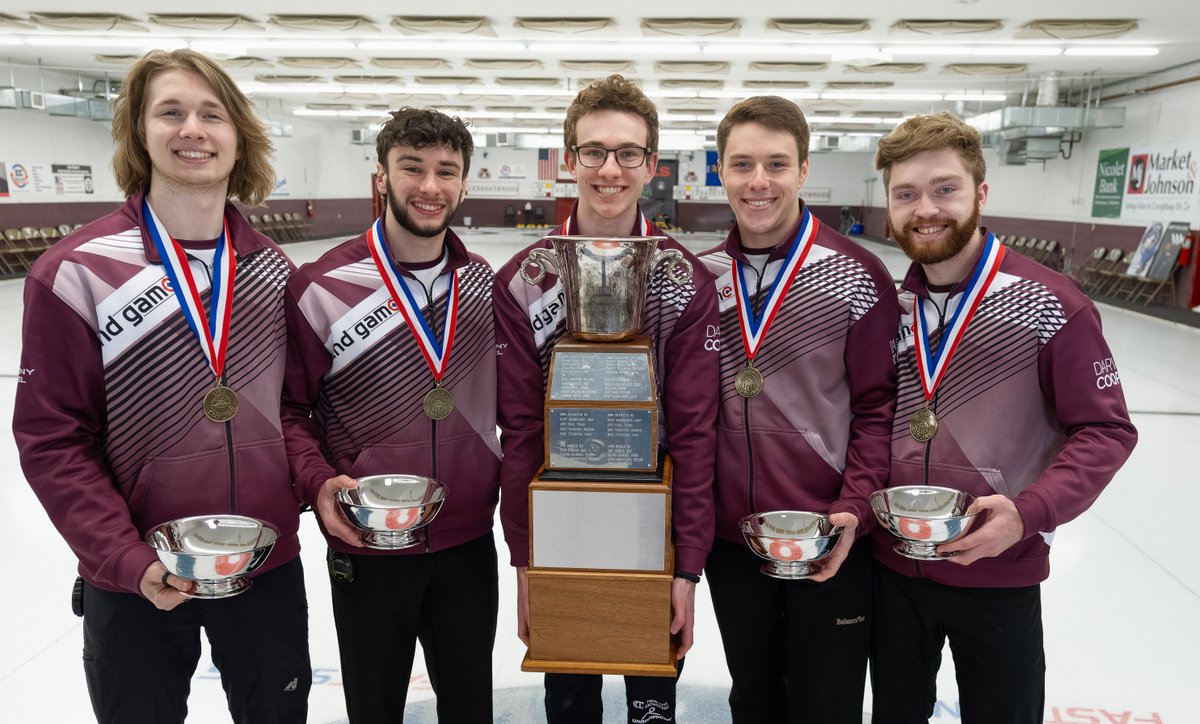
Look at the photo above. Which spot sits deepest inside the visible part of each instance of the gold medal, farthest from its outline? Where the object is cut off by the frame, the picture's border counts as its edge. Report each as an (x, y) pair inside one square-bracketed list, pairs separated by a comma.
[(220, 404), (923, 425), (438, 403), (749, 382)]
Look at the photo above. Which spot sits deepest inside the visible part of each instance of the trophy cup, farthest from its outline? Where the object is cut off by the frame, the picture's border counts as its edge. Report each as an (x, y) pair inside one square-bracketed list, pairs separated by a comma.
[(601, 559), (391, 510), (923, 517), (790, 541), (216, 551)]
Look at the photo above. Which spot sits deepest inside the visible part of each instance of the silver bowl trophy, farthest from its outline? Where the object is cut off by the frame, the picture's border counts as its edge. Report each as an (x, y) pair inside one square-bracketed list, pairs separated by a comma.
[(790, 541), (216, 551), (391, 510), (601, 556), (923, 517)]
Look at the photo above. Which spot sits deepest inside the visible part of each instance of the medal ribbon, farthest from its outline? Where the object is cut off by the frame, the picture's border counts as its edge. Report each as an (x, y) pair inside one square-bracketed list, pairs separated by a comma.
[(934, 363), (437, 354), (648, 229), (754, 327), (211, 329)]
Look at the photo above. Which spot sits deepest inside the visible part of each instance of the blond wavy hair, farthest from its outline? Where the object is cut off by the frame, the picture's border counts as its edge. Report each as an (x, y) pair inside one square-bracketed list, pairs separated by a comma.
[(253, 175)]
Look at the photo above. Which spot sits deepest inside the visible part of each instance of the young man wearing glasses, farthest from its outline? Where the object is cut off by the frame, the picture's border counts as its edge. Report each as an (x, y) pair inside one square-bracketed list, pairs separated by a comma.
[(611, 138)]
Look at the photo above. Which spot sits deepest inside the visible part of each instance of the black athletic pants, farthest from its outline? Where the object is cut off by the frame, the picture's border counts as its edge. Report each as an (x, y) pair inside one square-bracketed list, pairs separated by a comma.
[(995, 638), (139, 661), (576, 699), (448, 599), (796, 650)]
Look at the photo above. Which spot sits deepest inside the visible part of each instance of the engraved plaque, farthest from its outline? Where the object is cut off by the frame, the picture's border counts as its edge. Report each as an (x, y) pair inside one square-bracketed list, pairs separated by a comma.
[(601, 376), (601, 438), (602, 530)]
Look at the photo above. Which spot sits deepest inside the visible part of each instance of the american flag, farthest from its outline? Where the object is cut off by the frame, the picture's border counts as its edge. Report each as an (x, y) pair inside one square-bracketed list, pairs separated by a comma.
[(547, 164)]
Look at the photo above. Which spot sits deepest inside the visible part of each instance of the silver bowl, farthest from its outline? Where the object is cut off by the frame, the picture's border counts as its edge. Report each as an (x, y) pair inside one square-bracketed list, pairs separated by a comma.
[(391, 509), (923, 517), (790, 541), (216, 551)]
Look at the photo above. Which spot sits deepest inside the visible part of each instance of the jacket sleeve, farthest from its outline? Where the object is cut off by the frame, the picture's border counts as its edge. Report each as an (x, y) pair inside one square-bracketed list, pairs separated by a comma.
[(872, 377), (691, 387), (1080, 380), (520, 393), (307, 363), (59, 424)]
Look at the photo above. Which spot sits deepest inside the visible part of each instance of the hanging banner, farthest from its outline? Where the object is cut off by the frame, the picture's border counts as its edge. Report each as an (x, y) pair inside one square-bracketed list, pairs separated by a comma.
[(1161, 182), (1110, 183)]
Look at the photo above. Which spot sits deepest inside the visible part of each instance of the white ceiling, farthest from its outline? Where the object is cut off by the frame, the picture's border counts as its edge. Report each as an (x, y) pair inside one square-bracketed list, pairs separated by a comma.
[(511, 72)]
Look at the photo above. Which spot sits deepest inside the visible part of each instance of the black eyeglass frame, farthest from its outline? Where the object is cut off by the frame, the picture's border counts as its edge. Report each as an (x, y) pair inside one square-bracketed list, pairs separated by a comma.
[(615, 152)]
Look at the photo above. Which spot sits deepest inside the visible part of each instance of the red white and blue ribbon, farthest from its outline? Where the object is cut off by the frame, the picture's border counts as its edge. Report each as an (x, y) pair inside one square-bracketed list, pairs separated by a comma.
[(755, 326), (436, 351), (648, 228), (934, 363), (212, 327)]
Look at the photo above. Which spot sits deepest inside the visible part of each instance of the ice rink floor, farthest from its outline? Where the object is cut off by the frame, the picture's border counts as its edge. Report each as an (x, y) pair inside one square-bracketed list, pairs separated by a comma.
[(1121, 607)]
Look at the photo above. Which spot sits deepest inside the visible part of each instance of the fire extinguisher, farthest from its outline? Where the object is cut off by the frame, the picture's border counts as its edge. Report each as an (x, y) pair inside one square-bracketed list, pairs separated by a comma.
[(308, 208)]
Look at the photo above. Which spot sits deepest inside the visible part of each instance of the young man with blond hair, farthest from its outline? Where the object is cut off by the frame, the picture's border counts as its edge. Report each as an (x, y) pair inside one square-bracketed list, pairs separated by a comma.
[(1007, 391), (133, 326), (611, 138)]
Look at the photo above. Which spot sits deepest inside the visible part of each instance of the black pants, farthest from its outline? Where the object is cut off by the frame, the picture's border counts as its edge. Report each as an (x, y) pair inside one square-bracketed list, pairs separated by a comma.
[(139, 661), (995, 638), (448, 600), (575, 698), (796, 650)]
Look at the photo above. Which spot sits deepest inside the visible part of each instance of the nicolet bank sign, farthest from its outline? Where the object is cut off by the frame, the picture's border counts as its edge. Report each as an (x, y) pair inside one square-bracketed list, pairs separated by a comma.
[(1149, 183)]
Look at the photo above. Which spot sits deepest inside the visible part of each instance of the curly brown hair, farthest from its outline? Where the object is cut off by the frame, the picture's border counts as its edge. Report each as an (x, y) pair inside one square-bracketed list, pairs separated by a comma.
[(614, 93), (773, 112), (253, 176), (421, 127), (931, 133)]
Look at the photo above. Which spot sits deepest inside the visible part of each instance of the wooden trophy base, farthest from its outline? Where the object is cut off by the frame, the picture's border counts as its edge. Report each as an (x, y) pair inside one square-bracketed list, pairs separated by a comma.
[(600, 574), (600, 623)]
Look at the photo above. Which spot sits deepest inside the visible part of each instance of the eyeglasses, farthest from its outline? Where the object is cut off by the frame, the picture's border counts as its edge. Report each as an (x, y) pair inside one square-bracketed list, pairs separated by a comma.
[(596, 156)]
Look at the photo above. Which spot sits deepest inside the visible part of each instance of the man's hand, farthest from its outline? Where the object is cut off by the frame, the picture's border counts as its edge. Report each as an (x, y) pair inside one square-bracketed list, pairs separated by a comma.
[(523, 605), (833, 562), (163, 589), (683, 613), (1001, 531), (333, 519)]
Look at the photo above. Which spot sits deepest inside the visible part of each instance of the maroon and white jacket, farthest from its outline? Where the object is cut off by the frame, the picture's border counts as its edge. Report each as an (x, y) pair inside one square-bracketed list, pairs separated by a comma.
[(356, 378), (817, 437), (682, 321), (108, 420), (1030, 407)]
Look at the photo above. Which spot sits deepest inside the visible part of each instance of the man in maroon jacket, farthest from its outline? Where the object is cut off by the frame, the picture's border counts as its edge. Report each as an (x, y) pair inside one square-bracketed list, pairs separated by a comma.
[(807, 393), (130, 323), (1007, 391), (379, 328), (611, 134)]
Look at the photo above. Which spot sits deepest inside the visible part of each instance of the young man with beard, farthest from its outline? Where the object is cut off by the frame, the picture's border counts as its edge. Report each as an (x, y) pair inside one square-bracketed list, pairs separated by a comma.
[(611, 138), (391, 370), (1007, 391), (152, 358), (807, 392)]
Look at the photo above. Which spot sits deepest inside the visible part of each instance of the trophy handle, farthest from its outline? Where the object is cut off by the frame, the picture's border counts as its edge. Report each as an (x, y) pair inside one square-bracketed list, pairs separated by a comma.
[(679, 270), (541, 258)]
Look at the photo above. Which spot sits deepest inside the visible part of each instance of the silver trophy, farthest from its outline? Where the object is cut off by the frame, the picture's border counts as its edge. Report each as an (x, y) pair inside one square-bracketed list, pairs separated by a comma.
[(216, 551), (923, 517), (790, 540), (605, 280), (392, 509)]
